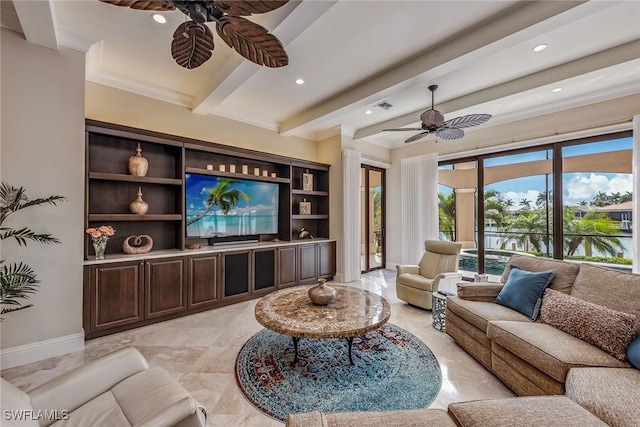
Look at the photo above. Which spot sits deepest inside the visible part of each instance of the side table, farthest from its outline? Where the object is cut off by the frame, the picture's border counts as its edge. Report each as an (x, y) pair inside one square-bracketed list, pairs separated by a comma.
[(439, 306)]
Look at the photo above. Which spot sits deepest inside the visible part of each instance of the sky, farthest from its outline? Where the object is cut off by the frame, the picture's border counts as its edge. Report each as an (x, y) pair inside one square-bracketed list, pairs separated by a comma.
[(577, 187)]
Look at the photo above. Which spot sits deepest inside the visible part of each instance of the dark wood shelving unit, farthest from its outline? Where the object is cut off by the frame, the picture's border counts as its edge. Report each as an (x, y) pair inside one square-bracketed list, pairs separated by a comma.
[(129, 291)]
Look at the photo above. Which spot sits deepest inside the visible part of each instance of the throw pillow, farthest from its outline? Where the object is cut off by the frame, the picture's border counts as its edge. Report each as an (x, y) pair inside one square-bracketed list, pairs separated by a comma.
[(523, 291), (633, 352), (608, 329)]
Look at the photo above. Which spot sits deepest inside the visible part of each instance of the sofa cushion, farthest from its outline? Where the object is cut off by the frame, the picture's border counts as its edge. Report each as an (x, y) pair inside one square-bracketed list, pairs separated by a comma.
[(523, 291), (307, 419), (611, 394), (549, 349), (610, 288), (144, 395), (481, 291), (104, 410), (479, 314), (14, 399), (607, 329), (523, 412), (405, 418), (566, 272), (633, 352), (415, 281)]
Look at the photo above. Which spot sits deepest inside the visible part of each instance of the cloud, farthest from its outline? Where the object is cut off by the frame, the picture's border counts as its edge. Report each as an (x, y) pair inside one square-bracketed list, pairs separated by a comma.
[(582, 186)]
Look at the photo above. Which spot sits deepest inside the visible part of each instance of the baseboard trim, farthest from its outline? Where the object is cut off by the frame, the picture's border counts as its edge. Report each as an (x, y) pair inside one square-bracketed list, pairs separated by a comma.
[(29, 353), (391, 266)]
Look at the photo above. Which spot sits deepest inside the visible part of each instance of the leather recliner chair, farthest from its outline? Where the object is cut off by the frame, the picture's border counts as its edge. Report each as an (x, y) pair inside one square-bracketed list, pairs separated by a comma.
[(116, 390), (415, 283)]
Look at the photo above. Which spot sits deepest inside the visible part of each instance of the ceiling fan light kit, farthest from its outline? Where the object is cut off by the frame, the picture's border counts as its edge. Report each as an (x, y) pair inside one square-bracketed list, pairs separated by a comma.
[(433, 123), (193, 44)]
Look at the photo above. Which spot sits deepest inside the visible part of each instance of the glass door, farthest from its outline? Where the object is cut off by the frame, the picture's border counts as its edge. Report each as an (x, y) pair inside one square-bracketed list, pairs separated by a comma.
[(372, 208)]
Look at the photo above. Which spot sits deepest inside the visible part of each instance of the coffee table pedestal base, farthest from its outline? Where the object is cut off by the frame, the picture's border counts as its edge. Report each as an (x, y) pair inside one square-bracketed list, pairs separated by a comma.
[(295, 349)]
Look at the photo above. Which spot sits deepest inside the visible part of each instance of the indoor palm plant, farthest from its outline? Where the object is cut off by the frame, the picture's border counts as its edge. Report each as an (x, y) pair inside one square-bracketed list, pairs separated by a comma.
[(18, 280)]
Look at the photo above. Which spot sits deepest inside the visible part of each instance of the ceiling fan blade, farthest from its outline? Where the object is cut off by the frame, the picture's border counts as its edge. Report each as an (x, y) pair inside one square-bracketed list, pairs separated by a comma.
[(450, 133), (239, 7), (192, 44), (157, 5), (432, 118), (467, 121), (402, 130), (252, 41), (416, 137)]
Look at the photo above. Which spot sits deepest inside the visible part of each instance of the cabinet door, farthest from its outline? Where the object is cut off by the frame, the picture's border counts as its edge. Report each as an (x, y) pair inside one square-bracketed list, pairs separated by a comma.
[(203, 281), (264, 270), (327, 259), (165, 287), (236, 273), (307, 263), (116, 295), (287, 266)]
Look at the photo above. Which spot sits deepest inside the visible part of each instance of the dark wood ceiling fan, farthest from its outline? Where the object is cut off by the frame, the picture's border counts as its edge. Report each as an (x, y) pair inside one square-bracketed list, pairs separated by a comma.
[(433, 122), (192, 43)]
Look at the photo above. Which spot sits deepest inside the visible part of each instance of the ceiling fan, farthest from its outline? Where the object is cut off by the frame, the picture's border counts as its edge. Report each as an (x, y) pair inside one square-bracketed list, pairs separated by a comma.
[(192, 43), (433, 122)]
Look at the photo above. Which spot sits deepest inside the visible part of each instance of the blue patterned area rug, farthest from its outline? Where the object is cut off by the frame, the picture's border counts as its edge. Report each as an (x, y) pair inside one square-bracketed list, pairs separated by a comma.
[(393, 370)]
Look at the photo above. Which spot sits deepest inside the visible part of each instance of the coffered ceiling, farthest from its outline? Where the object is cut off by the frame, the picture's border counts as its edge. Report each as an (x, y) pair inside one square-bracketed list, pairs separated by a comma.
[(355, 54)]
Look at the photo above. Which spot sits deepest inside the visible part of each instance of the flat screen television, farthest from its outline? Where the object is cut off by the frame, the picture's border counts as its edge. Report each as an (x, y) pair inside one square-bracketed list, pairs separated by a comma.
[(228, 207)]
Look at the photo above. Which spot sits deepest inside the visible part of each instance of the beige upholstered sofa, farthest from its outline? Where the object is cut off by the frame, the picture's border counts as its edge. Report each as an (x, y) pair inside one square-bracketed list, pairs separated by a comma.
[(416, 283), (565, 381), (534, 358), (116, 390)]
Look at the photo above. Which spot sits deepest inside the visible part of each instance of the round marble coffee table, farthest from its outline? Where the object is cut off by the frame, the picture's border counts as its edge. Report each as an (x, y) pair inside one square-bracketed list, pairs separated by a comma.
[(354, 312)]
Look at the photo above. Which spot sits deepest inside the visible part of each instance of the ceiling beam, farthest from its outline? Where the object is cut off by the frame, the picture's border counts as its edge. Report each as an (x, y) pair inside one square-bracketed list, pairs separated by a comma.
[(454, 52), (617, 55), (236, 70), (38, 21)]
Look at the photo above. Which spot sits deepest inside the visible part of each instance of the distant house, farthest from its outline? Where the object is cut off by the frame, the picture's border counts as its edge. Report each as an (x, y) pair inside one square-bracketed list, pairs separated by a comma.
[(618, 212)]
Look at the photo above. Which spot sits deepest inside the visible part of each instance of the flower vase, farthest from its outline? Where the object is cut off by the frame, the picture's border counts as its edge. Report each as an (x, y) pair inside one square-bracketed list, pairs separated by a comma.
[(322, 294), (99, 246)]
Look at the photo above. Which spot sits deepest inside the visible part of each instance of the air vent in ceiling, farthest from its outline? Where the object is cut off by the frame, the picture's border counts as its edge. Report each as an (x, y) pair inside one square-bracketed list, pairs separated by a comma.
[(384, 105)]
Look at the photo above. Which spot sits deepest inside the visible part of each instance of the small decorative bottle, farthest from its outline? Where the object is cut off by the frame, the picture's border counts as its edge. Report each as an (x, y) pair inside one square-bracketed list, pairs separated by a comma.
[(139, 206), (322, 294), (138, 165)]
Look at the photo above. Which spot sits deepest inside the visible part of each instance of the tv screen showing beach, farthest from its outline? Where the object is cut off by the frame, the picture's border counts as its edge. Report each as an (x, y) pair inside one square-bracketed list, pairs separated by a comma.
[(219, 207)]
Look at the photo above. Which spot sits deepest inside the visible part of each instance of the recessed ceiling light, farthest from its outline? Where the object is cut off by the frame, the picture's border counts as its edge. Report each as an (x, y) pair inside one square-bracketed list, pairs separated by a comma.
[(160, 19), (540, 47), (556, 90), (368, 112), (299, 82)]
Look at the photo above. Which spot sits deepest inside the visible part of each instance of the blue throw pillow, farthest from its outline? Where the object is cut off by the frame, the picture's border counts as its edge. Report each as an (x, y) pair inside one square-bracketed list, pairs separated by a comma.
[(523, 291), (633, 352)]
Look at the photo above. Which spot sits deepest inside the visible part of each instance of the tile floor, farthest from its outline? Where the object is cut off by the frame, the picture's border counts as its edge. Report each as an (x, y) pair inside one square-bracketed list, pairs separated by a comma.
[(200, 351)]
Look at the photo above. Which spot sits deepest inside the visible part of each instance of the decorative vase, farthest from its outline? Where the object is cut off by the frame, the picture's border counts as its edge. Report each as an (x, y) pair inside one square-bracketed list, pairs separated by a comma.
[(139, 206), (307, 181), (99, 246), (322, 294), (138, 165)]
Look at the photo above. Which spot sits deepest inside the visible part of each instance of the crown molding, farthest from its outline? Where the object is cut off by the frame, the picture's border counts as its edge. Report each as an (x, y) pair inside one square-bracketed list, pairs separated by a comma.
[(74, 40), (246, 118)]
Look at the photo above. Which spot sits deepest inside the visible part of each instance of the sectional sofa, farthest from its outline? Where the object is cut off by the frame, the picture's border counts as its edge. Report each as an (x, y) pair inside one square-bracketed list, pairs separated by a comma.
[(569, 365)]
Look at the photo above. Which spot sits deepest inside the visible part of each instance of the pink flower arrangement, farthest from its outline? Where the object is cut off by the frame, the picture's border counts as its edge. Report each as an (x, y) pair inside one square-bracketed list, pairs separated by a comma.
[(101, 233)]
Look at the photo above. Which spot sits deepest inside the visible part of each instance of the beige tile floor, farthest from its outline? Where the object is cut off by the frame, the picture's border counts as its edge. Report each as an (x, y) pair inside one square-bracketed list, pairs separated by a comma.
[(200, 351)]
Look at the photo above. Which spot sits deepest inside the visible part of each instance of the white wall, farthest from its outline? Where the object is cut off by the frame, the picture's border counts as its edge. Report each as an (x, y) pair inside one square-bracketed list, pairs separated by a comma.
[(42, 149)]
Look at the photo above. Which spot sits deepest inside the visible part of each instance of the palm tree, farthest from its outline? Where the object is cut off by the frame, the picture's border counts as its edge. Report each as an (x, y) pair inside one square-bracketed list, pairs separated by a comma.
[(528, 228), (17, 281), (224, 196), (496, 208), (595, 231), (447, 214)]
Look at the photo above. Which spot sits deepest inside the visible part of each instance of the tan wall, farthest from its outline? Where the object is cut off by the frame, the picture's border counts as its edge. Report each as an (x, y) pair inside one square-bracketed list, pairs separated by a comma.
[(111, 105), (42, 149)]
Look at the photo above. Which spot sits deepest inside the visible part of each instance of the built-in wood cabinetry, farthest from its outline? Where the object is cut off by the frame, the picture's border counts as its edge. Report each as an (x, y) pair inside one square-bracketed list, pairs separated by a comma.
[(125, 291)]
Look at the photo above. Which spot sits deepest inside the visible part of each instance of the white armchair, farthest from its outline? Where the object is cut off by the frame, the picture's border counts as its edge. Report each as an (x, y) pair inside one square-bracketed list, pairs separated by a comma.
[(118, 389), (437, 270)]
